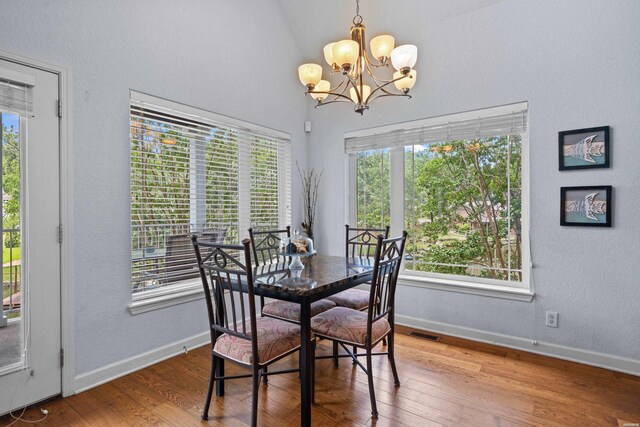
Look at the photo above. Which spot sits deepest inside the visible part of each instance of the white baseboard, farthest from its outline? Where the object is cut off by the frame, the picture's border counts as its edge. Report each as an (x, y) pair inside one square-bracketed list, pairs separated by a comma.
[(601, 360), (126, 366)]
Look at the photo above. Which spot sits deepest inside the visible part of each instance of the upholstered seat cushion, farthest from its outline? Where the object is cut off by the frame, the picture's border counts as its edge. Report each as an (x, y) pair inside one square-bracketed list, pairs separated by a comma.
[(291, 310), (348, 325), (357, 299), (275, 338)]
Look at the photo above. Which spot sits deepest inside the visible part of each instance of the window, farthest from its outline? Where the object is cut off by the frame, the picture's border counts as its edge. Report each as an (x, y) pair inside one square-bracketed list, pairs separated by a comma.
[(461, 180), (194, 172), (372, 188)]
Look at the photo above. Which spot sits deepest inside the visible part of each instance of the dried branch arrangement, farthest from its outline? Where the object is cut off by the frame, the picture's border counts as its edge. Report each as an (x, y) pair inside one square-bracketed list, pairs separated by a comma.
[(310, 183)]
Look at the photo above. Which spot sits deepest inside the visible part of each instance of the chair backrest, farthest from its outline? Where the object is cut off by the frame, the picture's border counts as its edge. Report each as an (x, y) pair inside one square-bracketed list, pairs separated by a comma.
[(386, 268), (179, 261), (214, 235), (265, 244), (361, 242), (227, 273)]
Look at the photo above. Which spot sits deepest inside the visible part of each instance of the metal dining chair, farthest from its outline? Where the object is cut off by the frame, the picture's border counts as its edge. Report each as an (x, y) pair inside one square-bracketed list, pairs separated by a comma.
[(237, 334), (365, 329), (359, 243), (265, 250)]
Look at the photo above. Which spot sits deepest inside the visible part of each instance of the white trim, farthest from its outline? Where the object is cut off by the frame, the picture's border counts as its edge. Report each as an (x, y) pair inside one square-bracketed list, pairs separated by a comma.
[(350, 190), (207, 115), (17, 77), (126, 366), (461, 286), (601, 360), (66, 209), (166, 297), (439, 120), (396, 195)]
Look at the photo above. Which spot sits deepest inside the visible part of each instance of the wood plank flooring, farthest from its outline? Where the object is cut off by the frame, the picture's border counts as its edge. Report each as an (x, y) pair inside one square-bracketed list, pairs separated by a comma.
[(447, 383)]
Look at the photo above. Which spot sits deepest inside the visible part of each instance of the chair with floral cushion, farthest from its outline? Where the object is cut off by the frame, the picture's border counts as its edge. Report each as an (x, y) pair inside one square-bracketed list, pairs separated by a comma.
[(265, 250), (360, 243), (237, 334), (365, 329)]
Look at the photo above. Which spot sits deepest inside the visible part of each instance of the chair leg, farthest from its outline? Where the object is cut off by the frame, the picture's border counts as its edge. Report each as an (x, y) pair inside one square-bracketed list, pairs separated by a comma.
[(212, 380), (355, 351), (313, 372), (392, 359), (254, 398), (335, 354), (372, 393), (384, 341), (265, 379)]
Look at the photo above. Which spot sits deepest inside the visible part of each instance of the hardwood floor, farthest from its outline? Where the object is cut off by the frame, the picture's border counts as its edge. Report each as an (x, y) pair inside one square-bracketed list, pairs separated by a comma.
[(450, 382)]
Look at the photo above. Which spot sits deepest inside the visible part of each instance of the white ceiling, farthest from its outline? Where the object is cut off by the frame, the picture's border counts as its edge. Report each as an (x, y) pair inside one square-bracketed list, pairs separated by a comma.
[(315, 23)]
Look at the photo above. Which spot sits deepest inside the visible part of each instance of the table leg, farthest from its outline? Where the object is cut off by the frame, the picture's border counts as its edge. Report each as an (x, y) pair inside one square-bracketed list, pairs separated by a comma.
[(219, 374), (305, 363)]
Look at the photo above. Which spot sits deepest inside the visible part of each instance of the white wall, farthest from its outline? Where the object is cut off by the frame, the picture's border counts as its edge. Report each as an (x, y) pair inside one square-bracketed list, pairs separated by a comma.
[(577, 64), (228, 57)]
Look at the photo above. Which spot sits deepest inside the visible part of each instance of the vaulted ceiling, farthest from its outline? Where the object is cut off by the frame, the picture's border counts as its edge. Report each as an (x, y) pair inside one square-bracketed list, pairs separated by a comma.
[(315, 23)]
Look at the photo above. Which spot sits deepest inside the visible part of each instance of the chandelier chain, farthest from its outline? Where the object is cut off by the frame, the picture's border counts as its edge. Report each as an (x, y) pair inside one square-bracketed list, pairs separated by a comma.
[(357, 19)]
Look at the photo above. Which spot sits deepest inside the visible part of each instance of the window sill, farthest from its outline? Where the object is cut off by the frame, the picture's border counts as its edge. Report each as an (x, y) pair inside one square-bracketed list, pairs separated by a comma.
[(165, 297), (493, 291)]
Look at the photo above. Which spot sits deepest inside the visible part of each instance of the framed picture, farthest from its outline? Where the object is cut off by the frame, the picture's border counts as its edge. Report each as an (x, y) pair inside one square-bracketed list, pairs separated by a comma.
[(584, 148), (586, 206)]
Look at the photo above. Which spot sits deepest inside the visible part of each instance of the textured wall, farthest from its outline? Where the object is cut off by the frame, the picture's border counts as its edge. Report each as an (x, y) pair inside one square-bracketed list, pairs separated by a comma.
[(223, 56), (576, 63)]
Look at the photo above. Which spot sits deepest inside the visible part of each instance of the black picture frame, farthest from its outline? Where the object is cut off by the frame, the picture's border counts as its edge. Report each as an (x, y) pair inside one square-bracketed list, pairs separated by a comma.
[(597, 208), (573, 152)]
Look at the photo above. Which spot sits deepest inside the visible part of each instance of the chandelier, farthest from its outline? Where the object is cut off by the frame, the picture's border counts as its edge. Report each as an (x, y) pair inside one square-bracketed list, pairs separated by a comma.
[(350, 58)]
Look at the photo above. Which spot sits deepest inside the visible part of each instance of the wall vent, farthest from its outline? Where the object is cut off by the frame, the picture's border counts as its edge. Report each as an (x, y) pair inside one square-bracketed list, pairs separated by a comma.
[(425, 336)]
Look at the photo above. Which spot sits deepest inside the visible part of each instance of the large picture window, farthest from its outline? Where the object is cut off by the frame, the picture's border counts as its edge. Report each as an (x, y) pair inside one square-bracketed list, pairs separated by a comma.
[(461, 180), (194, 172)]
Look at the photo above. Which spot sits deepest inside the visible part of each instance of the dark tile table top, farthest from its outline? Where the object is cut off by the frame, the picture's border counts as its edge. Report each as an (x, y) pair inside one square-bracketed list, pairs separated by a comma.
[(320, 275)]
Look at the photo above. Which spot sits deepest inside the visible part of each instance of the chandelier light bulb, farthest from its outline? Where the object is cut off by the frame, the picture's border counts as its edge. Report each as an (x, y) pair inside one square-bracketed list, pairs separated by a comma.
[(381, 46), (406, 83), (366, 91), (310, 74), (345, 53), (328, 54), (322, 86), (404, 57)]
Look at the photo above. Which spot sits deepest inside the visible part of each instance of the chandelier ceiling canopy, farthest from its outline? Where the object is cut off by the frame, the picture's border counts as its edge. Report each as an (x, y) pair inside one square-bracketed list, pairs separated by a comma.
[(359, 85)]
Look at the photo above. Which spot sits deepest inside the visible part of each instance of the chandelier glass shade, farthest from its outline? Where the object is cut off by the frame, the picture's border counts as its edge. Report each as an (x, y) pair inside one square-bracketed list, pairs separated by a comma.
[(359, 84)]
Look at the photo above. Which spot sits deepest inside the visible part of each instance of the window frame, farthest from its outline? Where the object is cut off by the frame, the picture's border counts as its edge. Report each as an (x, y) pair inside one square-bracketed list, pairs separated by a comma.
[(191, 289), (521, 291)]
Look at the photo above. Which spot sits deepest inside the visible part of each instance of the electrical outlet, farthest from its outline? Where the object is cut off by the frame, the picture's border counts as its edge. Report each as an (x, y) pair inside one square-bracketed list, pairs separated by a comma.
[(552, 319)]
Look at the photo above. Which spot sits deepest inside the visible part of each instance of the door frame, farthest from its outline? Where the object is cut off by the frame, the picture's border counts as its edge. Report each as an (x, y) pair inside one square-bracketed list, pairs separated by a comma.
[(66, 211)]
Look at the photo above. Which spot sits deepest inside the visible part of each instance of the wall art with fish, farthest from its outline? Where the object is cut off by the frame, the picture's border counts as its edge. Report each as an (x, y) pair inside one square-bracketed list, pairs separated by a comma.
[(586, 206), (584, 148)]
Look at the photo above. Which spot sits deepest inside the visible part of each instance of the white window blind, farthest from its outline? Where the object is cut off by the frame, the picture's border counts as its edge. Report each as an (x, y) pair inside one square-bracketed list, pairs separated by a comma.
[(505, 120), (194, 172), (16, 97)]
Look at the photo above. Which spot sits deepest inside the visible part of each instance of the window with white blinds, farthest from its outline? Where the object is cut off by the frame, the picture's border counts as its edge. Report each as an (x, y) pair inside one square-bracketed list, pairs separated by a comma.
[(195, 172), (457, 184)]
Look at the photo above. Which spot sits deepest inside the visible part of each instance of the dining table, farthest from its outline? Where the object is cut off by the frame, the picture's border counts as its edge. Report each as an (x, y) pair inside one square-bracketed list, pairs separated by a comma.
[(322, 276)]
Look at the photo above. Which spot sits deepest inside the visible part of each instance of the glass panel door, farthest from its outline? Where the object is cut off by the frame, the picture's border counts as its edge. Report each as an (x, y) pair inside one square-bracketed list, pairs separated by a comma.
[(11, 336)]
